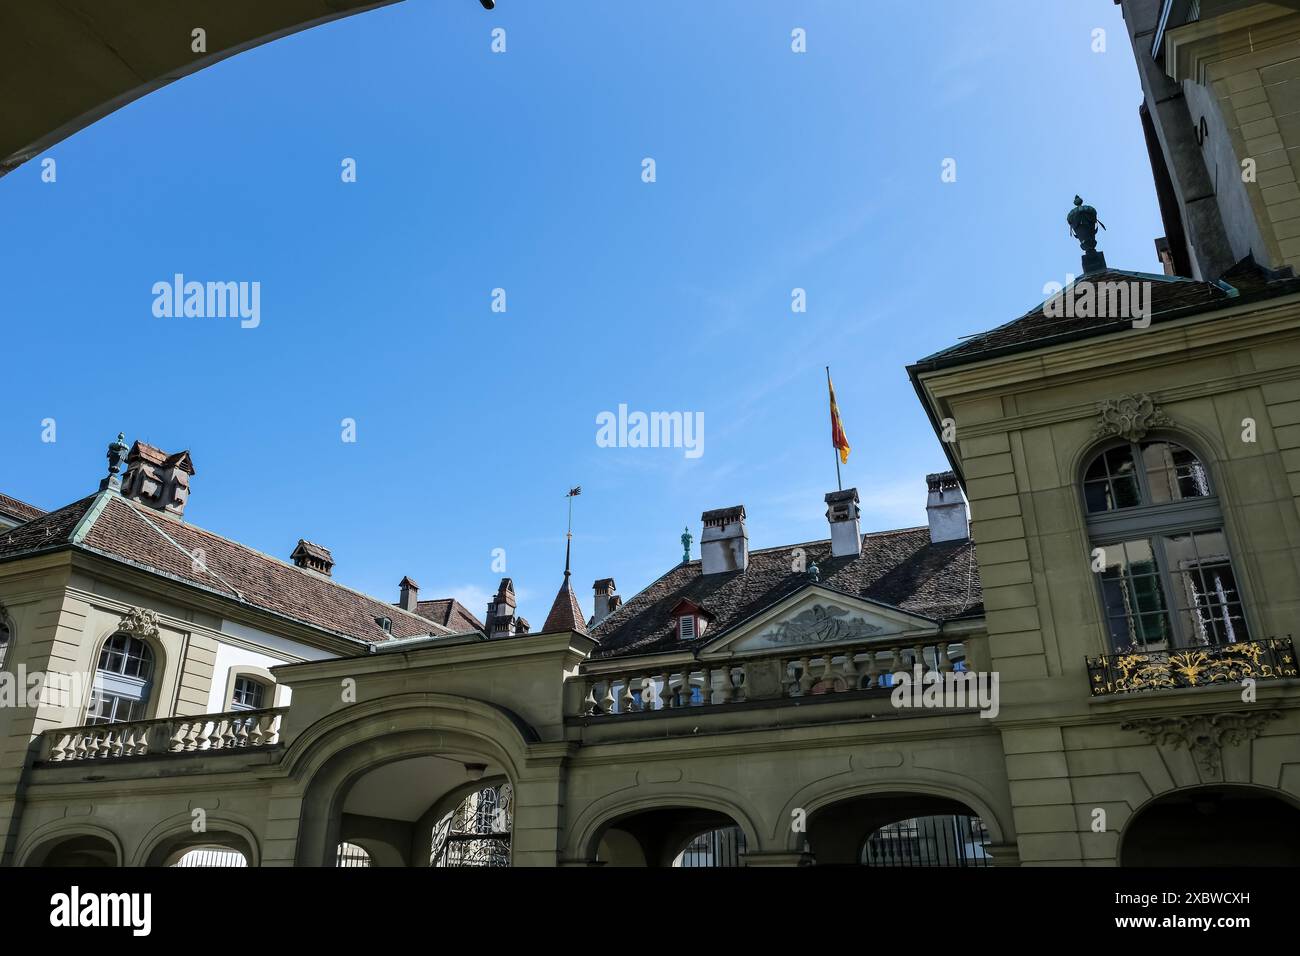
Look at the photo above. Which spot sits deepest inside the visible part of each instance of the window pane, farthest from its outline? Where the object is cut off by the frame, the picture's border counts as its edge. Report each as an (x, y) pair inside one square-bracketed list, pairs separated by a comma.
[(1173, 472), (1136, 608), (1206, 594), (1125, 492)]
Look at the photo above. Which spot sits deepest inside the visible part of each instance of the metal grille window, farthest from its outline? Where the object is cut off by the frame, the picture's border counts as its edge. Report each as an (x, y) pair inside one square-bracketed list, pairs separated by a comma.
[(122, 681), (210, 856), (352, 856), (716, 848), (948, 840), (250, 694), (477, 832), (1159, 550)]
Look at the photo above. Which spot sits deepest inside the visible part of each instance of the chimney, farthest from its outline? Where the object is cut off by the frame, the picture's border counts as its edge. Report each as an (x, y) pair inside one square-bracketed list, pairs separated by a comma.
[(157, 479), (410, 595), (724, 546), (500, 620), (846, 534), (312, 557), (946, 508), (606, 600)]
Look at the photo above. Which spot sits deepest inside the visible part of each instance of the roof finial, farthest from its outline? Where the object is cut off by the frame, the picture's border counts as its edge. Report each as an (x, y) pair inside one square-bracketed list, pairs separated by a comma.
[(686, 545), (1083, 223), (116, 455)]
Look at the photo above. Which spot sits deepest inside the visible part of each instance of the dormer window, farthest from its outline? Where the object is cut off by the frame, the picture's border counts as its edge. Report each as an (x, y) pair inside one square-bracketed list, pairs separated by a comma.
[(385, 624), (689, 620)]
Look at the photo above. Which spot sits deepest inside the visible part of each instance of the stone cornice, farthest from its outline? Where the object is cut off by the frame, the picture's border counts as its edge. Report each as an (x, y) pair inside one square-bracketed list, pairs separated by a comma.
[(1191, 49)]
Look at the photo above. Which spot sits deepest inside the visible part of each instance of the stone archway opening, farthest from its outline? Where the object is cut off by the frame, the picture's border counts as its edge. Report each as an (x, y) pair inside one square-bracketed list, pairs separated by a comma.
[(898, 830), (212, 855), (1213, 826), (215, 848), (428, 810), (671, 837), (84, 850)]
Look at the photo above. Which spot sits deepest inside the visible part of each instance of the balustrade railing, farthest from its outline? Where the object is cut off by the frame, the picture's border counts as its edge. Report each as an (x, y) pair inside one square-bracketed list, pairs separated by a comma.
[(1269, 659), (238, 730), (801, 672)]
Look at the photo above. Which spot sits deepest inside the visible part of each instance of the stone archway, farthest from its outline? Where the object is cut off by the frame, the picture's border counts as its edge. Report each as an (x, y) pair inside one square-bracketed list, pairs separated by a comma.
[(75, 850), (1214, 826), (897, 829), (666, 836), (375, 773)]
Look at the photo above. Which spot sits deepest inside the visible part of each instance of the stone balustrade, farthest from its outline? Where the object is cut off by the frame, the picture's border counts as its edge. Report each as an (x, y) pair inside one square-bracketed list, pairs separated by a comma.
[(238, 730), (796, 672)]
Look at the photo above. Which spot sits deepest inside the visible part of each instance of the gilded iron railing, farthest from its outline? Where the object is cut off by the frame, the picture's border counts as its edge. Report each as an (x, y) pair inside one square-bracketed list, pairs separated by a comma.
[(1270, 659)]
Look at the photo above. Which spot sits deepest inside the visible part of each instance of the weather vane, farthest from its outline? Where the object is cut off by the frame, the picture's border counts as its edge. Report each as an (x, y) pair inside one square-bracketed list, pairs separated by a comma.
[(686, 545), (568, 537)]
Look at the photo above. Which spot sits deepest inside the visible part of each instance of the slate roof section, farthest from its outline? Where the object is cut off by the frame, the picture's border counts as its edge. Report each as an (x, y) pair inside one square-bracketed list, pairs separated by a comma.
[(143, 537), (900, 568), (18, 510), (450, 613), (566, 612), (1171, 297)]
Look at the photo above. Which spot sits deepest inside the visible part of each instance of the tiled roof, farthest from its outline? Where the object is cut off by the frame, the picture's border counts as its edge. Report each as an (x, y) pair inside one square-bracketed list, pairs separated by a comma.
[(566, 612), (900, 568), (18, 510), (47, 532), (450, 613), (141, 536), (1170, 297)]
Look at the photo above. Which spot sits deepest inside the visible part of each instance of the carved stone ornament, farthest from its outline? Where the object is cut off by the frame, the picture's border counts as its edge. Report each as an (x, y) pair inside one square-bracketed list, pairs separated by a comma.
[(1129, 417), (140, 621), (1205, 735), (820, 624)]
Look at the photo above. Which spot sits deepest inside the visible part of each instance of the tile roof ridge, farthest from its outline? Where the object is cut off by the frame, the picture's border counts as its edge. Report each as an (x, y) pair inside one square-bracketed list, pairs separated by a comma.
[(189, 554)]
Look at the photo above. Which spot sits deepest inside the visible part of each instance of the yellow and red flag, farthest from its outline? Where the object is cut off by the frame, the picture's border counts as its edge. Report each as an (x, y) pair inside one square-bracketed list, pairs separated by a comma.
[(838, 438)]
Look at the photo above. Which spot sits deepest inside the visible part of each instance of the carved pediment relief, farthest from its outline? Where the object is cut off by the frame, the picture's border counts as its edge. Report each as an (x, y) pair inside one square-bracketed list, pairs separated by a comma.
[(817, 618)]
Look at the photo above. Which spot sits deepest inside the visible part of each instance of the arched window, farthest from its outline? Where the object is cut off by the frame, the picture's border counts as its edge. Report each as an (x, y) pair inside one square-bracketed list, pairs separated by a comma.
[(122, 681), (249, 693), (5, 636), (1156, 532)]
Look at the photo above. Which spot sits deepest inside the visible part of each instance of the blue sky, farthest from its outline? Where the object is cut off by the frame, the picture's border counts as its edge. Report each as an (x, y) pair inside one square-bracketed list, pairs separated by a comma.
[(522, 171)]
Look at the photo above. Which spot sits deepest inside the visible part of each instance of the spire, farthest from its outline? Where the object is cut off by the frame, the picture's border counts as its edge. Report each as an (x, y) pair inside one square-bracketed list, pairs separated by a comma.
[(566, 612)]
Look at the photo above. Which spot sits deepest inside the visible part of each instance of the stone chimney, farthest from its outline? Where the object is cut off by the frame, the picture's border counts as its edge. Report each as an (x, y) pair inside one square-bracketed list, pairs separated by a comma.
[(724, 546), (500, 620), (157, 479), (313, 557), (846, 533), (946, 508), (606, 600), (409, 596)]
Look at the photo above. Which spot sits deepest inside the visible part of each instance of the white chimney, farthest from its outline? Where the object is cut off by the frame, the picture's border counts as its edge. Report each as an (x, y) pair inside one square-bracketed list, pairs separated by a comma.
[(724, 546), (946, 508), (846, 533)]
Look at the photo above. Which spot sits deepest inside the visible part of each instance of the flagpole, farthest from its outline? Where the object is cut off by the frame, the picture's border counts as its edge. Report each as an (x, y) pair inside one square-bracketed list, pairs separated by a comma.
[(838, 481)]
